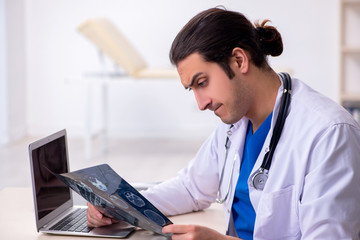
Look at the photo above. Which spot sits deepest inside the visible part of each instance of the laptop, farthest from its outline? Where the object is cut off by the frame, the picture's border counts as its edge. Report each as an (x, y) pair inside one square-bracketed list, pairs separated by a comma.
[(55, 211)]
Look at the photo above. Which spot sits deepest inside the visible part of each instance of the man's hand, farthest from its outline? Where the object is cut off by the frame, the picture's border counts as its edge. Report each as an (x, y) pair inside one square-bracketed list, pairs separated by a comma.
[(193, 232), (96, 218)]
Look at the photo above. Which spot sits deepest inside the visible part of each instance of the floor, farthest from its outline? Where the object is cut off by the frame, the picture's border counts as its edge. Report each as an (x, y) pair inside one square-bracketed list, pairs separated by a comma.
[(137, 160)]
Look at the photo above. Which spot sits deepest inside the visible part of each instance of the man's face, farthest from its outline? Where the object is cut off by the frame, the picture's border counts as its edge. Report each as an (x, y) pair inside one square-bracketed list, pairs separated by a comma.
[(213, 89)]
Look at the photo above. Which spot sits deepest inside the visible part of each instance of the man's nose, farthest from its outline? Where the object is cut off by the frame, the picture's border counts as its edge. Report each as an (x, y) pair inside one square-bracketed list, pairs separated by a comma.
[(202, 100)]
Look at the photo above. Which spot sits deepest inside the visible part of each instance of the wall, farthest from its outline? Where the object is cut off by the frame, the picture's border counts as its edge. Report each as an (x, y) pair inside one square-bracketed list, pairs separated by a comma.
[(13, 71), (3, 74), (56, 53)]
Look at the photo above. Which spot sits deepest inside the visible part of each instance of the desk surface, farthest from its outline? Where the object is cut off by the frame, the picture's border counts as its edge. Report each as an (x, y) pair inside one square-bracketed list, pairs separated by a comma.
[(17, 218)]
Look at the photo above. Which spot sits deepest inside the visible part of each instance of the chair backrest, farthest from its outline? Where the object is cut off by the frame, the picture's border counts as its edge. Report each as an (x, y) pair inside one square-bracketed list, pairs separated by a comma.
[(110, 41)]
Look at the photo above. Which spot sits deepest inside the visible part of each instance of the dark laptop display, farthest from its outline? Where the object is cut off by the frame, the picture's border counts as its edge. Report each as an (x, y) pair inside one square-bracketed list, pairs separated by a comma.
[(50, 191)]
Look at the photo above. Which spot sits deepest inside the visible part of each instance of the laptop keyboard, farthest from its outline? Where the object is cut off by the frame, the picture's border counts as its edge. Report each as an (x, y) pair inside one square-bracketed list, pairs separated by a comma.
[(74, 222)]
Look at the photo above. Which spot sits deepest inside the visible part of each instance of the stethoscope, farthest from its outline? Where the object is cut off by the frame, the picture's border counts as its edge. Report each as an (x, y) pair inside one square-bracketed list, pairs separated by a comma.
[(260, 176)]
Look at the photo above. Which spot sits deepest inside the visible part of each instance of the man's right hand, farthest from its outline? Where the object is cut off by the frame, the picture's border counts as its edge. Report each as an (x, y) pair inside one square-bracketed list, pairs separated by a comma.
[(96, 219)]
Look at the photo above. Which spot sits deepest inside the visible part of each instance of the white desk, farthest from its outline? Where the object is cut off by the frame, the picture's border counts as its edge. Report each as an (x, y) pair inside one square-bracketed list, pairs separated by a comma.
[(17, 218)]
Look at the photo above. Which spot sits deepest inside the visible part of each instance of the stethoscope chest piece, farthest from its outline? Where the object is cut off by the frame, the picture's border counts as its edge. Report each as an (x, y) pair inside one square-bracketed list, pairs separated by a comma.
[(259, 178)]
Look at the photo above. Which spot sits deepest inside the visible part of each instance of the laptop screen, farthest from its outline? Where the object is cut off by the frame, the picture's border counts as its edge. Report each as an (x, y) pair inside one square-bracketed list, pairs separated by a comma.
[(50, 191)]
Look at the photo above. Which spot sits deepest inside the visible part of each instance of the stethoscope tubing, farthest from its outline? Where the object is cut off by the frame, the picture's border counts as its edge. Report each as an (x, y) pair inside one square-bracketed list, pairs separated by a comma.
[(280, 122)]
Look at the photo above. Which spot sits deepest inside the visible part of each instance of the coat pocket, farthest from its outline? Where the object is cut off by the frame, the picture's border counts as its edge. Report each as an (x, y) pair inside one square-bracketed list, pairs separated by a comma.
[(277, 215)]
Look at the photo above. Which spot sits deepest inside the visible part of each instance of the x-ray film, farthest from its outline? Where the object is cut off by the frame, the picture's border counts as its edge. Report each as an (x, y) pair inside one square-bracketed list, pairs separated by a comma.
[(113, 196)]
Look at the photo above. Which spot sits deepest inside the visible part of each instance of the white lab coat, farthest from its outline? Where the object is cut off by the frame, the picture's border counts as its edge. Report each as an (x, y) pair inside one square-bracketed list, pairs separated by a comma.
[(313, 187)]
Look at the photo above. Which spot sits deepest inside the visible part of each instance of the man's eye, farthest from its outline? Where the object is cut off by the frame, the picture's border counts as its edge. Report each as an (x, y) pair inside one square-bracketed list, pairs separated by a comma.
[(201, 83)]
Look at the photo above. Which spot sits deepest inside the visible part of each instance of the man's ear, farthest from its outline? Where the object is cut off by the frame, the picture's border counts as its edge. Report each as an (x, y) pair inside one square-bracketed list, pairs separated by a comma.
[(240, 60)]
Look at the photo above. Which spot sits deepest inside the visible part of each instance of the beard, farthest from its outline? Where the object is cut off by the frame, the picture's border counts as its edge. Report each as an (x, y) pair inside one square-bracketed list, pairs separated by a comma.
[(236, 106)]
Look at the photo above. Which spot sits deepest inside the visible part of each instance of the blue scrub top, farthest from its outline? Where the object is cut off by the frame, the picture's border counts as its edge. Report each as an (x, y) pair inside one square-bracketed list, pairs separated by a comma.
[(242, 209)]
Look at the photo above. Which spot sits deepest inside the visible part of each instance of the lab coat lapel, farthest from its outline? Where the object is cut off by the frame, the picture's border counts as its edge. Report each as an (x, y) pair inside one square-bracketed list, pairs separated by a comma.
[(237, 146)]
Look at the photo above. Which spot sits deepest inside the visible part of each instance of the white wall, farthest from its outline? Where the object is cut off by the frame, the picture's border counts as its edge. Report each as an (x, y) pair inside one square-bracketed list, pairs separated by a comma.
[(3, 74), (13, 71), (55, 51)]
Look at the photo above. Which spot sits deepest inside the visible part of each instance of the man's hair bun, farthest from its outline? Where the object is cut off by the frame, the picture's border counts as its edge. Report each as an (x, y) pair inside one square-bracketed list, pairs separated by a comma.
[(270, 39)]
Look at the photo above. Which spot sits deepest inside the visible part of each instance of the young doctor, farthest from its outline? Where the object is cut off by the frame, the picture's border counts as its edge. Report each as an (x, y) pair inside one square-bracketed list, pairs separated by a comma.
[(284, 162)]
